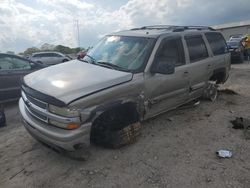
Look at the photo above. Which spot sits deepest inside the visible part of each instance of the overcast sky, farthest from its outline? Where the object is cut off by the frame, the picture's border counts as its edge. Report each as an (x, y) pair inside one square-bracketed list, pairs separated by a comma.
[(26, 23)]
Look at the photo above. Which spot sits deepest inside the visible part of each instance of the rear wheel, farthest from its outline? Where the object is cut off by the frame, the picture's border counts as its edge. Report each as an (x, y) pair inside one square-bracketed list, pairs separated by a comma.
[(211, 92), (65, 60)]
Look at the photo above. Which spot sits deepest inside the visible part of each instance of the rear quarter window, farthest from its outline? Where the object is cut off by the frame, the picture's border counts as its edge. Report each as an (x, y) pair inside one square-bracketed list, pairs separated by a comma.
[(196, 48), (217, 43)]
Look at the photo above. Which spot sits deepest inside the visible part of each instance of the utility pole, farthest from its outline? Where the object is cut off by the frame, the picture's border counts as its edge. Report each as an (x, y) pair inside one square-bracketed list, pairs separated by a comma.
[(78, 34)]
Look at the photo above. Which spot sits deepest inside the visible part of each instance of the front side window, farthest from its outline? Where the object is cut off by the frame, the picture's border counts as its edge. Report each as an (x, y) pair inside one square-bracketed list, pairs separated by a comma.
[(172, 50), (127, 53), (196, 48), (217, 43), (11, 63)]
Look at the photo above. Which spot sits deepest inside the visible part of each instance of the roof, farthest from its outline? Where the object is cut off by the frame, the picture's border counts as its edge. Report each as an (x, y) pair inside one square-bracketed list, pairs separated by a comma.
[(157, 30), (232, 25)]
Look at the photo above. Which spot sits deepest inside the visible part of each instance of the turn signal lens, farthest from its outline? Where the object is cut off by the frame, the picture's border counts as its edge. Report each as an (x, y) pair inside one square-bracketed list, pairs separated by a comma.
[(73, 126)]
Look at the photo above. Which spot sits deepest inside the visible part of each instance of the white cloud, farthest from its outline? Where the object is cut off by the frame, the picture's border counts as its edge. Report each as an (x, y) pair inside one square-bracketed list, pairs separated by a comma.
[(32, 23)]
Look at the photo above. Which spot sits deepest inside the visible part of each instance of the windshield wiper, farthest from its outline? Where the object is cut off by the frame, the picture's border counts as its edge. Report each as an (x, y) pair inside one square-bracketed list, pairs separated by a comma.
[(110, 65)]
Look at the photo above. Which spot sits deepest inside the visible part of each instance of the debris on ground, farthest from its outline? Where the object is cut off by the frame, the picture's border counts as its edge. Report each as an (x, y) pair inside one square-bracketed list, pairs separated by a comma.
[(191, 104), (242, 123), (238, 123), (228, 91), (224, 154)]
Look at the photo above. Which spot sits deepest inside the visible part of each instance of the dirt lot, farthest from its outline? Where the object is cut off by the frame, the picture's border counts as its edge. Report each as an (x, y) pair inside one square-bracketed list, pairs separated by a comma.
[(176, 149)]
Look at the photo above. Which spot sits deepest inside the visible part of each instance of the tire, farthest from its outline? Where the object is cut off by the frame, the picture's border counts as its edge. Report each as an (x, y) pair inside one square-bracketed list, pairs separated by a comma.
[(241, 58), (65, 60), (2, 119), (113, 131)]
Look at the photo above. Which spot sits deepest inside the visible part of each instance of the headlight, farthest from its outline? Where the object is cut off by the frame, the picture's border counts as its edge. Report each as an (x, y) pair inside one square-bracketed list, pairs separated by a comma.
[(64, 125), (66, 112)]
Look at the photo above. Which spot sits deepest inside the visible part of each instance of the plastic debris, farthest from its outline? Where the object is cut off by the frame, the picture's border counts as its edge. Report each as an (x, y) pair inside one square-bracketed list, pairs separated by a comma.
[(224, 154), (228, 91)]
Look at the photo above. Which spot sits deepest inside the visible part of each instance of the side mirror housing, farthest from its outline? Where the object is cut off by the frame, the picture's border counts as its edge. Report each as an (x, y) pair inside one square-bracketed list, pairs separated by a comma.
[(163, 66)]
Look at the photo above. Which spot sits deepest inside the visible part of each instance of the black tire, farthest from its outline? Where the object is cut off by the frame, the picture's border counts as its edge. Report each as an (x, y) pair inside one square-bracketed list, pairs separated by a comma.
[(241, 58), (113, 130), (65, 60), (2, 119)]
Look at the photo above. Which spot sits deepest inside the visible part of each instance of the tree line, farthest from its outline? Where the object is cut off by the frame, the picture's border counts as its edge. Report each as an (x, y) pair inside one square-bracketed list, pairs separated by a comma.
[(47, 47)]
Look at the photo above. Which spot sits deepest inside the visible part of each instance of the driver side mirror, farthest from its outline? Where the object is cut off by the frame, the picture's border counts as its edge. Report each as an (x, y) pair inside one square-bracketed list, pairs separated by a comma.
[(164, 66)]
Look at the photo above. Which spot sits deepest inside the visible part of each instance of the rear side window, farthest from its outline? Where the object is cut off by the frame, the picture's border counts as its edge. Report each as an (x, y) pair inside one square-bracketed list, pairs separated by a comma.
[(172, 50), (196, 48), (217, 43), (36, 55)]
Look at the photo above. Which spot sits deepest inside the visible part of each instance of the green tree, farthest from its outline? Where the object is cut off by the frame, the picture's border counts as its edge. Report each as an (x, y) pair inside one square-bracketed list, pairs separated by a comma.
[(31, 50)]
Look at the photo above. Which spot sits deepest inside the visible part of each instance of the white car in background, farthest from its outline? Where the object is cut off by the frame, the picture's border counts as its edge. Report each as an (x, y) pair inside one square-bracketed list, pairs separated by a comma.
[(49, 58)]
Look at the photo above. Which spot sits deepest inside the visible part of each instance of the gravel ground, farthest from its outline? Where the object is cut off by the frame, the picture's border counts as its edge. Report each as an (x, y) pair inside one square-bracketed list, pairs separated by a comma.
[(176, 149)]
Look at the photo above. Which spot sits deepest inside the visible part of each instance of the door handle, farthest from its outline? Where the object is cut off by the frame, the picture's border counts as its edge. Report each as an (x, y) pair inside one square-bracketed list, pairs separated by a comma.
[(185, 74)]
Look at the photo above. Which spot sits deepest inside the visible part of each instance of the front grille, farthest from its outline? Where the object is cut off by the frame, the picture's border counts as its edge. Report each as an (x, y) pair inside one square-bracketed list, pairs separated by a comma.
[(39, 111), (37, 102), (31, 101), (37, 115)]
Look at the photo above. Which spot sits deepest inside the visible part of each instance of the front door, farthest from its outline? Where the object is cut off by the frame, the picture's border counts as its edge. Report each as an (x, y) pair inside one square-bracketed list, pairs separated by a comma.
[(167, 91)]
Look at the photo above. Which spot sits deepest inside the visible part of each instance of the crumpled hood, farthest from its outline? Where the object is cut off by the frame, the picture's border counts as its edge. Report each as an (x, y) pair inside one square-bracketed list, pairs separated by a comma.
[(71, 80)]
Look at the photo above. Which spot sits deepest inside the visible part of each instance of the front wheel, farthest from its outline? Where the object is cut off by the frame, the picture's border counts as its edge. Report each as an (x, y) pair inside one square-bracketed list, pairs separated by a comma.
[(114, 130)]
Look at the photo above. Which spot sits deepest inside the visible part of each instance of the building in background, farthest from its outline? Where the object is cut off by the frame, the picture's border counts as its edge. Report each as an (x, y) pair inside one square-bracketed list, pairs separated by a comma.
[(234, 28)]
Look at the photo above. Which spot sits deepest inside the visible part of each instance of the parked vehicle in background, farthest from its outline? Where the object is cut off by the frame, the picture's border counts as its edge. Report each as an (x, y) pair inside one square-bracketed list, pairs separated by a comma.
[(237, 37), (49, 58), (126, 78), (236, 49), (12, 69)]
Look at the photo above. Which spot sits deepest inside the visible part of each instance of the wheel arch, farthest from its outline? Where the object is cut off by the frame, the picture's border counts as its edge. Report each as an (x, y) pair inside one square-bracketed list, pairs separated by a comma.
[(219, 75)]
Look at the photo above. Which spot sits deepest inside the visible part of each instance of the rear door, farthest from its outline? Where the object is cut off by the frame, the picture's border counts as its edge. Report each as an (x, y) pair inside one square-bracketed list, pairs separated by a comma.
[(12, 69), (221, 55), (166, 92), (199, 66)]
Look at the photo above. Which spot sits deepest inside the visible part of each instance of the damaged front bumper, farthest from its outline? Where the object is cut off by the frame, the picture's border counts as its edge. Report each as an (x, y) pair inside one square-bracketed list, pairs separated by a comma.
[(58, 138)]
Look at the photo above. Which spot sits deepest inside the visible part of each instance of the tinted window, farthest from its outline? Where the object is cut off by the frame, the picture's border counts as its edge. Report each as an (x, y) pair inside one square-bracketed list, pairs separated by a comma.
[(11, 63), (217, 43), (37, 55), (46, 55), (172, 50), (57, 55), (196, 48)]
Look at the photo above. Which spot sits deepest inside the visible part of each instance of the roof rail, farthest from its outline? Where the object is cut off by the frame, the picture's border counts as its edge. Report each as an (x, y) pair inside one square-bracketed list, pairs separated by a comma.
[(175, 28)]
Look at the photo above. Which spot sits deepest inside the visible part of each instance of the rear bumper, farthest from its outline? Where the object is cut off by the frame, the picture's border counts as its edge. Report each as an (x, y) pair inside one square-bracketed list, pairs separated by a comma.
[(58, 138)]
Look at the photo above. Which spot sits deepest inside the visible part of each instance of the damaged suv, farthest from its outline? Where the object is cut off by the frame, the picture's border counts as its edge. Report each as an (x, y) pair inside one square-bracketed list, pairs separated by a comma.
[(129, 76)]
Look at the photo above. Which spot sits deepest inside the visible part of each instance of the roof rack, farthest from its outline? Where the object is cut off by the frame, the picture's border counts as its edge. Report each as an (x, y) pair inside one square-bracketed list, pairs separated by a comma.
[(175, 28)]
